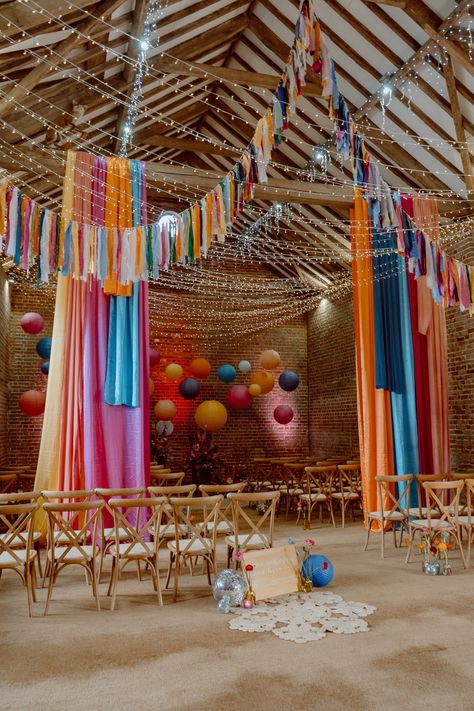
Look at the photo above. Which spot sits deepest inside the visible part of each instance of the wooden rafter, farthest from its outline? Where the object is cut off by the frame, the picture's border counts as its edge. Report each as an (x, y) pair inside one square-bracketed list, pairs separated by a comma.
[(459, 127)]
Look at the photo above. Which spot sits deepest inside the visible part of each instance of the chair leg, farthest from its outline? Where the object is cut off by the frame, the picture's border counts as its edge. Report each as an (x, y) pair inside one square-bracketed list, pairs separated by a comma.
[(47, 567), (382, 542), (411, 535), (38, 555), (155, 572), (369, 530), (461, 549), (33, 581), (50, 589), (94, 585), (170, 565), (208, 571), (177, 567), (114, 561), (113, 582), (28, 589), (343, 514)]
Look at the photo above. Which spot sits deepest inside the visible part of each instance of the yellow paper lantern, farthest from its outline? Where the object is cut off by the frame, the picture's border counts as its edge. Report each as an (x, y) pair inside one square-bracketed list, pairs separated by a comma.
[(165, 410), (151, 386), (264, 379), (173, 371), (255, 389), (200, 368), (211, 415), (270, 359)]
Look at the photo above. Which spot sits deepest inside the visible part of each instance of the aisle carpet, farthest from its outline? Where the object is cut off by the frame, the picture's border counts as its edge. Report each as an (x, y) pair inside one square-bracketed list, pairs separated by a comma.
[(183, 656)]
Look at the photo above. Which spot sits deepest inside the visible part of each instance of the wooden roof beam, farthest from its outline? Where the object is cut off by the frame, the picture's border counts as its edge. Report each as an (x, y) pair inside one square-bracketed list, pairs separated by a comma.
[(459, 127), (103, 10)]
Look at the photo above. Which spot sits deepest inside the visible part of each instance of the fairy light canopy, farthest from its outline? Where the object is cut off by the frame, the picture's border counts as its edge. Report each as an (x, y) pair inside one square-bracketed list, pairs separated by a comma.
[(181, 84)]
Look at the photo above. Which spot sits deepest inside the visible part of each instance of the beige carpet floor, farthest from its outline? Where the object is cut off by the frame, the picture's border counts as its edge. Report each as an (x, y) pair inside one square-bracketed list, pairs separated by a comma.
[(418, 653)]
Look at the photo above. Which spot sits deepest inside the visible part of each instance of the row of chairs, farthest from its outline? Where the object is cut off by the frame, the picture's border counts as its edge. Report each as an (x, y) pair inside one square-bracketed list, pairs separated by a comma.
[(444, 506), (144, 521)]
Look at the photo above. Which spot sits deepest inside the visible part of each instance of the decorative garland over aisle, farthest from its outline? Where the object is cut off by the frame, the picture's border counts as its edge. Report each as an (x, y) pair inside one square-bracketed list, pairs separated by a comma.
[(30, 233)]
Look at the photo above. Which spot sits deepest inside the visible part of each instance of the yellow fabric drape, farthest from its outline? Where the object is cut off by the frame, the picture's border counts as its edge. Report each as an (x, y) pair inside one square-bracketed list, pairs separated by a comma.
[(373, 406)]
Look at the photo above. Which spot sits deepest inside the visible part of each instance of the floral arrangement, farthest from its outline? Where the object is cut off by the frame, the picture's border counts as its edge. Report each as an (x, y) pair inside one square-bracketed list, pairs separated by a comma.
[(304, 583), (203, 460), (435, 553), (158, 448)]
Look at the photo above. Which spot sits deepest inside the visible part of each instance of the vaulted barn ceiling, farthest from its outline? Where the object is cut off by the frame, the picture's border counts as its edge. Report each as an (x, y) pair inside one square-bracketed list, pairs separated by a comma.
[(211, 77)]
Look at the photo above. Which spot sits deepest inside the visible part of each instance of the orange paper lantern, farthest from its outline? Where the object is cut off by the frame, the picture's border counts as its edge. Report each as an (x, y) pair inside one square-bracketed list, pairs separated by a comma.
[(264, 379), (211, 416), (165, 410), (173, 371), (270, 359), (200, 368), (255, 389)]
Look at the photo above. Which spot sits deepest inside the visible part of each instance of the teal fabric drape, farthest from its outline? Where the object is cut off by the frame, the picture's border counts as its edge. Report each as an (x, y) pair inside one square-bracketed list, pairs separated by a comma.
[(123, 365)]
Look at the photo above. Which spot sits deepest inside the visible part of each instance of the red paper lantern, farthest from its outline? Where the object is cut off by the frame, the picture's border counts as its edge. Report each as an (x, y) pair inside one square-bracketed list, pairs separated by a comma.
[(32, 323), (32, 402), (239, 397), (283, 414)]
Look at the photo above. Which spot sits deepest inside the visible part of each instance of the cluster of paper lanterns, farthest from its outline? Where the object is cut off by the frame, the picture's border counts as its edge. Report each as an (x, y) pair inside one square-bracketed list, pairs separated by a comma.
[(211, 415), (32, 402)]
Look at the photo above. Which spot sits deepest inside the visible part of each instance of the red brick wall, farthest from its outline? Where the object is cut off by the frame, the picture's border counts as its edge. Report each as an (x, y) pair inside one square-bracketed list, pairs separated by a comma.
[(331, 379), (460, 330), (25, 370), (4, 366)]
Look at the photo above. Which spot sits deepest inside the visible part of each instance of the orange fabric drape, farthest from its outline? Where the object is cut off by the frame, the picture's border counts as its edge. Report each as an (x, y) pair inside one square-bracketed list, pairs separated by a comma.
[(374, 414)]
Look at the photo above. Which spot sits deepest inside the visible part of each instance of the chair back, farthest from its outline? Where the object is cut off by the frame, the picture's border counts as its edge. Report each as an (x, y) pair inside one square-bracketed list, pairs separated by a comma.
[(19, 497), (349, 479), (167, 478), (443, 497), (73, 495), (263, 528), (106, 494), (389, 501), (17, 522), (140, 519), (8, 481), (70, 527), (224, 514), (183, 509), (320, 478), (179, 490), (420, 479)]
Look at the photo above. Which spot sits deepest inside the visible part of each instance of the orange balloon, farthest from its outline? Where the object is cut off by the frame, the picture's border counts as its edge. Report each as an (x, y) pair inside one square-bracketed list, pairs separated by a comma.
[(264, 379), (270, 359), (165, 410), (173, 371), (200, 368), (151, 386), (255, 389), (211, 415)]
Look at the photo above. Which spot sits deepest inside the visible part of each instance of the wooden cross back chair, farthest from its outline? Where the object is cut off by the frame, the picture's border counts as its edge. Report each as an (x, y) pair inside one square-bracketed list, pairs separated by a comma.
[(350, 488), (200, 540), (394, 508), (259, 533), (21, 497), (76, 527), (8, 482), (225, 524), (140, 520), (442, 502), (293, 483), (167, 478), (421, 510), (167, 527), (319, 488), (18, 520)]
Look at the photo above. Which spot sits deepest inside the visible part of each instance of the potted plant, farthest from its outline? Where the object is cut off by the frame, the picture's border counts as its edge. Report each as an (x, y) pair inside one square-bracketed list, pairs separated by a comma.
[(203, 460)]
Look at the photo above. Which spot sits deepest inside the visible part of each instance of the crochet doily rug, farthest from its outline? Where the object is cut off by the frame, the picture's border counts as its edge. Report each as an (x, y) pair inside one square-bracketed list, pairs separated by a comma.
[(303, 617)]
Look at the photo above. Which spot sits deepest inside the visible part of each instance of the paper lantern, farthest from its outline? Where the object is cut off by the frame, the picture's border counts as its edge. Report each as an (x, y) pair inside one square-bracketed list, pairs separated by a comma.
[(264, 379), (244, 366), (270, 359), (32, 403), (200, 368), (283, 414), (165, 410), (318, 569), (151, 386), (226, 373), (189, 388), (43, 348), (211, 415), (239, 397), (165, 427), (255, 389), (173, 371), (32, 323), (45, 367), (154, 357), (288, 381)]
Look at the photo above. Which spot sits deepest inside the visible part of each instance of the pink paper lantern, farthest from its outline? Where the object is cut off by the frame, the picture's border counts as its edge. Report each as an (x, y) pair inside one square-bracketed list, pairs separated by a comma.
[(283, 414), (154, 357), (239, 397), (32, 323)]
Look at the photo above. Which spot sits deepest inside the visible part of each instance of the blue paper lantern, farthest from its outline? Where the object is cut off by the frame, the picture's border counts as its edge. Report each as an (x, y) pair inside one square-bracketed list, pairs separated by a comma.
[(318, 569), (226, 373), (45, 367), (244, 366), (288, 381), (189, 388), (43, 348)]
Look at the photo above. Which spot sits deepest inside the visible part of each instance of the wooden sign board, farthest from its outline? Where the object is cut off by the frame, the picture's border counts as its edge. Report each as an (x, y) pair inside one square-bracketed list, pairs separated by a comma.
[(275, 571)]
